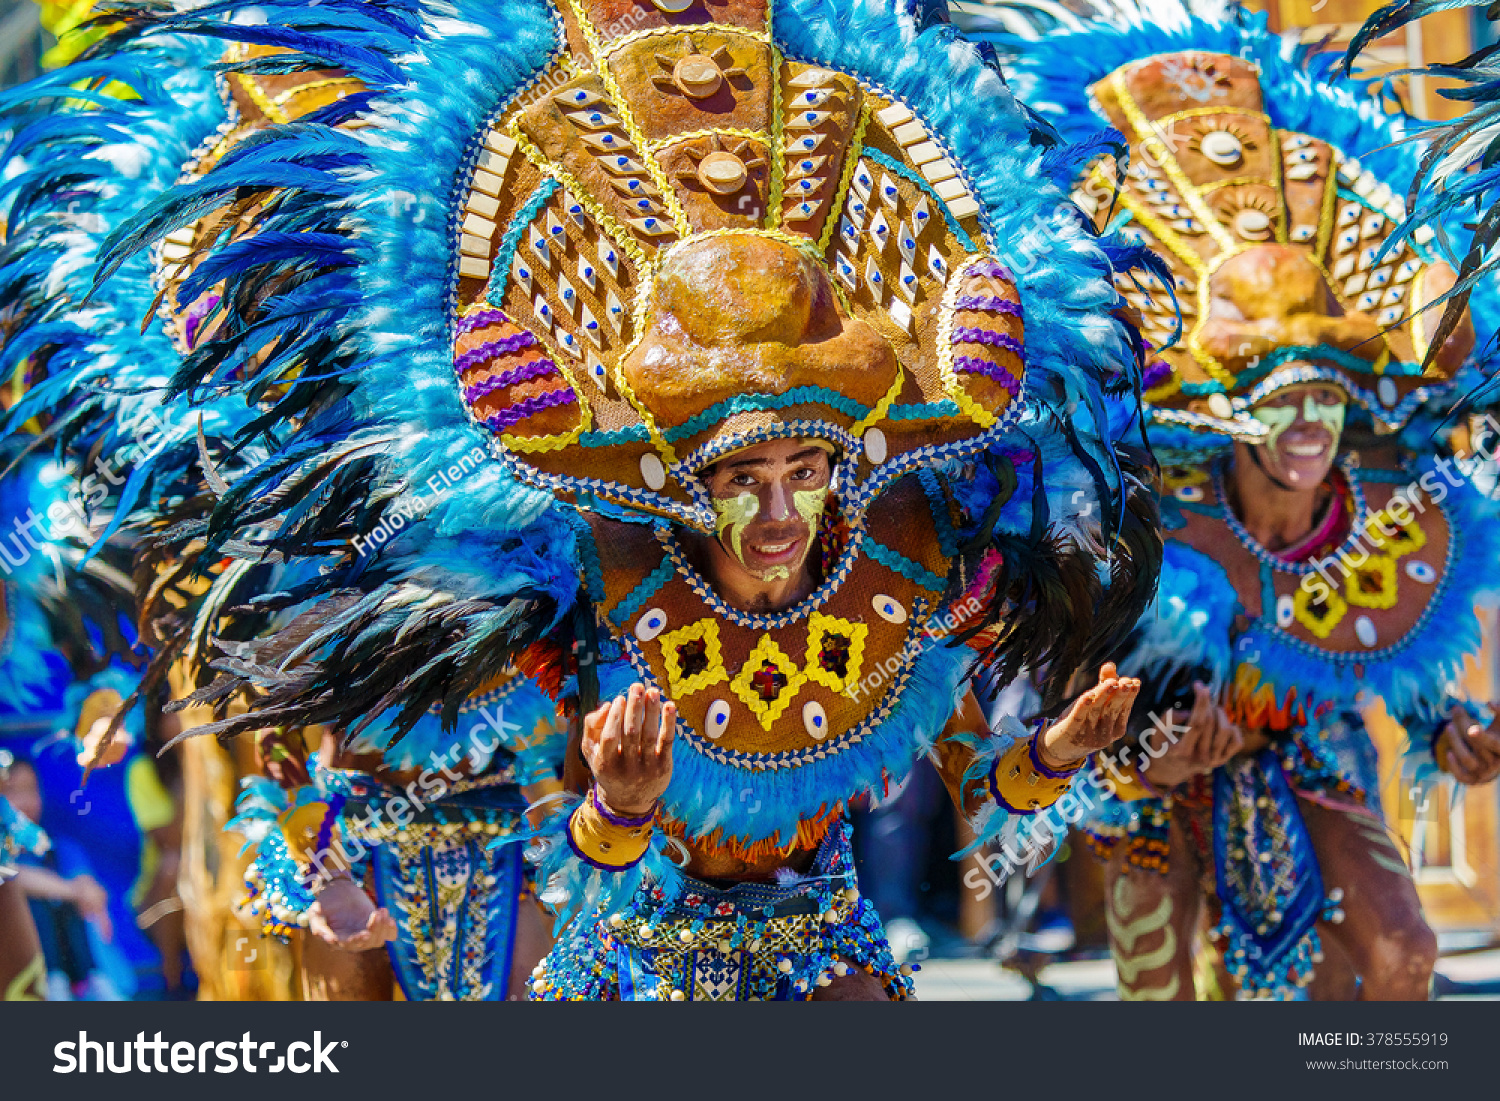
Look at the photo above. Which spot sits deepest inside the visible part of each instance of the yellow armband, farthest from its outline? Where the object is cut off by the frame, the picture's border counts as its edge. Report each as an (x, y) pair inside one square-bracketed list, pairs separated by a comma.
[(1126, 783), (1022, 784), (607, 840), (302, 826)]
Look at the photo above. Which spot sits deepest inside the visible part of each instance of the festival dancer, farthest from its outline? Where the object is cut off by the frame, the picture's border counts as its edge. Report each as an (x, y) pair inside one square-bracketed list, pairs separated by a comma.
[(374, 846), (475, 782), (1317, 558), (63, 647), (692, 329)]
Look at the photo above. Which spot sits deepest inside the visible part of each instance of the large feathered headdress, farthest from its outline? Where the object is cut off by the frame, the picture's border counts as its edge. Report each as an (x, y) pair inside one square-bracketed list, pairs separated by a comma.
[(1271, 189), (473, 278)]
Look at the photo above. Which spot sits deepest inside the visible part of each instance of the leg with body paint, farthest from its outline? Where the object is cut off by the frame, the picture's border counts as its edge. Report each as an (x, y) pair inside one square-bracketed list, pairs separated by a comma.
[(23, 974), (1383, 933), (1152, 918)]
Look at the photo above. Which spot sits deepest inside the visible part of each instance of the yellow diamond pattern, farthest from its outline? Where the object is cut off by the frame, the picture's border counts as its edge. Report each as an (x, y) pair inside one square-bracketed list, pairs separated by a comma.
[(705, 631), (820, 626), (767, 711)]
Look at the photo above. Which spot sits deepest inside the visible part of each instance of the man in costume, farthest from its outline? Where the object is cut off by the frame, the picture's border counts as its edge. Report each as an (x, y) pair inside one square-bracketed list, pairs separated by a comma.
[(613, 265), (61, 648), (455, 913), (1317, 558)]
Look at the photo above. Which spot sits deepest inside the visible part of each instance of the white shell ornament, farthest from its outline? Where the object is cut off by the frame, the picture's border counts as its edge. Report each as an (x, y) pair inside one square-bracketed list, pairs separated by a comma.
[(1364, 630), (1284, 611), (888, 608), (652, 470), (875, 446), (717, 720), (673, 7), (1219, 406), (1253, 225), (1222, 148), (1386, 390), (815, 719), (1420, 571), (651, 624)]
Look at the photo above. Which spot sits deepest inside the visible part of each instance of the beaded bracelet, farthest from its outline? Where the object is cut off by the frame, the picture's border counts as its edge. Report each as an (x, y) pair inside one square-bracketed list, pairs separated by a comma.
[(621, 819)]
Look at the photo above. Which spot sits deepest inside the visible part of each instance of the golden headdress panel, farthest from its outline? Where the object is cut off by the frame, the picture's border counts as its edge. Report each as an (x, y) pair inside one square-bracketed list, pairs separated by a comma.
[(678, 242), (1276, 242)]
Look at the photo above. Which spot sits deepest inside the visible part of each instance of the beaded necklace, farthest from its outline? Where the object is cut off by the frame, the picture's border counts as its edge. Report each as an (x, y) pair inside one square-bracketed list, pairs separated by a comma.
[(1347, 464)]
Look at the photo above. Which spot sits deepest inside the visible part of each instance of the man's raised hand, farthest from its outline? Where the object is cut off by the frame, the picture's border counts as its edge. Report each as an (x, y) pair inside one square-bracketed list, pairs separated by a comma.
[(1096, 719), (628, 746), (1472, 752)]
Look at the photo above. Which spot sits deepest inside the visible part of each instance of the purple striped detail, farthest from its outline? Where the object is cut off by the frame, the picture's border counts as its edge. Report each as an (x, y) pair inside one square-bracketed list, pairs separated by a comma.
[(962, 335), (524, 373), (1036, 758), (480, 320), (621, 819), (994, 269), (474, 357), (506, 418), (972, 365), (1155, 374), (989, 302), (325, 829)]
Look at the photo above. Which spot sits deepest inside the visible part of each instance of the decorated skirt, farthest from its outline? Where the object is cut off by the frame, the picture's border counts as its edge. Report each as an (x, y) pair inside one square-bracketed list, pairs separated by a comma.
[(454, 895), (1261, 875), (750, 942)]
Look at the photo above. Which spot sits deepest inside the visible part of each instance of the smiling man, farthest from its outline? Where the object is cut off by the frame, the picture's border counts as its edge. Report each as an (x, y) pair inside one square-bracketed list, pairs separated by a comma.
[(730, 734), (1296, 585), (769, 500)]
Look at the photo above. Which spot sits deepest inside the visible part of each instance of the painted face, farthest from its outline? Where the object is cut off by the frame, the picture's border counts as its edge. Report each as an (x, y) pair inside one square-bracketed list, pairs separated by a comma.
[(769, 499), (1305, 423)]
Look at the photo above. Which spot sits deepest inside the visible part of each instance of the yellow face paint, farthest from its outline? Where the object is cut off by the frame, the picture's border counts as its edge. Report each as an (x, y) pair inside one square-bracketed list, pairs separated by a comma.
[(809, 505), (735, 514), (1278, 418)]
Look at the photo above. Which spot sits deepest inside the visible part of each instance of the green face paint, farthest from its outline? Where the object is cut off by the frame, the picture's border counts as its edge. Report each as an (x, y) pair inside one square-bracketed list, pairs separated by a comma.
[(1332, 416), (1278, 418)]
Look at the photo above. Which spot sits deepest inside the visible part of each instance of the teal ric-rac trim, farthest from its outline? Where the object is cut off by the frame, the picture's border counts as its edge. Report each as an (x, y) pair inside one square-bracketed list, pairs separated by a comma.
[(500, 273), (899, 563)]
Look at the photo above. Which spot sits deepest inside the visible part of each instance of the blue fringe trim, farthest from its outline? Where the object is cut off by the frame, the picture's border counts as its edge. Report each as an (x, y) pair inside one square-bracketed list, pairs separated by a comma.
[(570, 886)]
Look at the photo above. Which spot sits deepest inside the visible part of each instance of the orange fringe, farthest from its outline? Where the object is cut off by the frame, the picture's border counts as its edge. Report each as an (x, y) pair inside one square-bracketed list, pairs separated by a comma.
[(810, 834)]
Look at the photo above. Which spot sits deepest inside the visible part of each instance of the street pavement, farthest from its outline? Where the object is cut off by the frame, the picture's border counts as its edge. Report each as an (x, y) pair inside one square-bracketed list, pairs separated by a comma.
[(1462, 975)]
